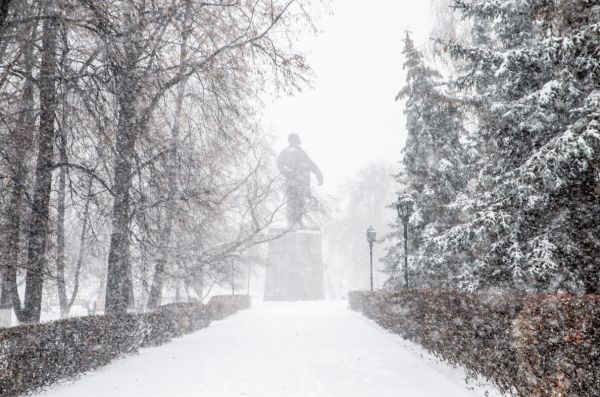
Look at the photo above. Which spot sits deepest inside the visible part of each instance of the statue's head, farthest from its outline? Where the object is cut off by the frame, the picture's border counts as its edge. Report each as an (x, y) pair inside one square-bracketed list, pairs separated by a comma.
[(294, 140)]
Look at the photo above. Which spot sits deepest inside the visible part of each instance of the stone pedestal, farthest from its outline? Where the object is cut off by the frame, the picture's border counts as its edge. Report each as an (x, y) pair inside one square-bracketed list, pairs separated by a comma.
[(295, 267)]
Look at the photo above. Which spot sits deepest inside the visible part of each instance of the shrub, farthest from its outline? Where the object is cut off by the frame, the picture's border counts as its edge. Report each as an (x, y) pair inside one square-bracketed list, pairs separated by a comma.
[(35, 356), (175, 320), (38, 355), (530, 345), (221, 306), (557, 340)]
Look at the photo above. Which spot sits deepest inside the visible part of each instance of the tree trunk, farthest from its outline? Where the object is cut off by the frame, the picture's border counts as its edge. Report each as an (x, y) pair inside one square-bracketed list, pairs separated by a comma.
[(66, 303), (155, 294), (118, 282), (9, 296), (154, 297), (20, 146), (60, 231), (4, 8), (82, 238), (5, 30), (38, 225)]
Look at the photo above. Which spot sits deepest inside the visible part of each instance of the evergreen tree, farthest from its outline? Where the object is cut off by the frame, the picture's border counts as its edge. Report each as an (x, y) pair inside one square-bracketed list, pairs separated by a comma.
[(434, 172), (532, 72)]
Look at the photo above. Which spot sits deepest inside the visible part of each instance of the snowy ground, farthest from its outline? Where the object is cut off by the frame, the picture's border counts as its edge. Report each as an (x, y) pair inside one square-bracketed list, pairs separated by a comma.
[(279, 350)]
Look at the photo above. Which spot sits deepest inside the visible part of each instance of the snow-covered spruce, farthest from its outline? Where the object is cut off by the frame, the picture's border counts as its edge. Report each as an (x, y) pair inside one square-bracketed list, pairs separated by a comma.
[(529, 80), (434, 172)]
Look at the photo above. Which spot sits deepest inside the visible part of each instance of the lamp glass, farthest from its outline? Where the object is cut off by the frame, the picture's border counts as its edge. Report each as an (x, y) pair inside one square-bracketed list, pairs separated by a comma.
[(404, 206)]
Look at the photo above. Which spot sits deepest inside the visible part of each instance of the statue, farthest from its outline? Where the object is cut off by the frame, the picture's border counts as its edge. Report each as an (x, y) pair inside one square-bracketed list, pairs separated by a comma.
[(297, 167), (295, 270)]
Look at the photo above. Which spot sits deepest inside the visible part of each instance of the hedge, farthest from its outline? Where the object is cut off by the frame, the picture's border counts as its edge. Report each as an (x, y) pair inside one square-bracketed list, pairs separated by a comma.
[(36, 356), (527, 345), (558, 346), (173, 320), (221, 306)]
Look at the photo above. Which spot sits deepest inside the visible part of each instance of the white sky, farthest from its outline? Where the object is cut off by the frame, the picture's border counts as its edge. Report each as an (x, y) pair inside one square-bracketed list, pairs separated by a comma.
[(349, 118)]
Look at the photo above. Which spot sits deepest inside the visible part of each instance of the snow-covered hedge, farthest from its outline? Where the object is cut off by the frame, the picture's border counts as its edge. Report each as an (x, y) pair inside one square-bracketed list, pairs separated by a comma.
[(530, 345), (38, 355)]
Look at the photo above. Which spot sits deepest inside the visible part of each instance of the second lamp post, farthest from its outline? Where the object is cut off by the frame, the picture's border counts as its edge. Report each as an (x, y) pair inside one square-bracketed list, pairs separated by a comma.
[(405, 208), (371, 236)]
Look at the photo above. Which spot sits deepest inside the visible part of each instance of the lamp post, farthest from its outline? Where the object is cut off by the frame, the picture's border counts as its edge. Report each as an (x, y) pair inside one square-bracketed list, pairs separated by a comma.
[(371, 236), (405, 207)]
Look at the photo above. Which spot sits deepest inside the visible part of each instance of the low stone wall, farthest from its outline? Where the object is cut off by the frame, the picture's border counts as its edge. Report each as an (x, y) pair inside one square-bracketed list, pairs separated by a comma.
[(527, 345), (36, 356)]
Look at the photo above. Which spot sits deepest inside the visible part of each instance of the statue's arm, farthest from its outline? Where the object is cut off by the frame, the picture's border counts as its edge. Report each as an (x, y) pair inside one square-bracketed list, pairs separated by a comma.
[(315, 170)]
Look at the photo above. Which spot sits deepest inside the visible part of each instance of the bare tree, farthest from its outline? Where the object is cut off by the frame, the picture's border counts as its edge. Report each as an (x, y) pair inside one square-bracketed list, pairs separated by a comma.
[(17, 150), (238, 45), (147, 113), (172, 171)]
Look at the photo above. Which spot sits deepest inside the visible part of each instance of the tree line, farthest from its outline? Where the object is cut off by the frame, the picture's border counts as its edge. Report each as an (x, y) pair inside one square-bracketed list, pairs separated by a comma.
[(130, 151)]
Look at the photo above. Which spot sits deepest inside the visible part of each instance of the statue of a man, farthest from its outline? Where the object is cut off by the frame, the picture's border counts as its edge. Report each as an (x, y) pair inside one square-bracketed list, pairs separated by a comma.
[(296, 166)]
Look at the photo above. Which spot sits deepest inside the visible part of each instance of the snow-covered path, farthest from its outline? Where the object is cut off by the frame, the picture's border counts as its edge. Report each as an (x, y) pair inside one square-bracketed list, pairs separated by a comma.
[(278, 350)]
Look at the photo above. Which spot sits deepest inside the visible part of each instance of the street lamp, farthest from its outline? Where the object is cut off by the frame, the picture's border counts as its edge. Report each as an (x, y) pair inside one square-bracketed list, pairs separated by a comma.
[(371, 236), (405, 208)]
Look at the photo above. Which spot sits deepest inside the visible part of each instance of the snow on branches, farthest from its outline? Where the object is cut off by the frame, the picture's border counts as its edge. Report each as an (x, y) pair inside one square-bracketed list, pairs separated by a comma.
[(515, 200)]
